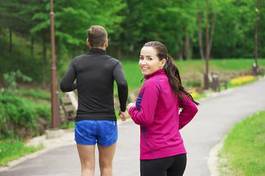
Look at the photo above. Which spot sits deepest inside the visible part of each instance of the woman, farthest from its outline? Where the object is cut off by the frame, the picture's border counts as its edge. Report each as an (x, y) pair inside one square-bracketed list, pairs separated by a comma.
[(157, 111)]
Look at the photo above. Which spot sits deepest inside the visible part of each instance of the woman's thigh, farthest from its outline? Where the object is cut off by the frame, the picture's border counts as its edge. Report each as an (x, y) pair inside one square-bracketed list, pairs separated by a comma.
[(155, 167), (178, 166), (169, 166)]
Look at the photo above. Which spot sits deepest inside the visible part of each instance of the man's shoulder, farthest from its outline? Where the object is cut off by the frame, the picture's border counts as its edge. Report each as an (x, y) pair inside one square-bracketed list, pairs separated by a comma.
[(112, 59), (85, 57), (79, 57)]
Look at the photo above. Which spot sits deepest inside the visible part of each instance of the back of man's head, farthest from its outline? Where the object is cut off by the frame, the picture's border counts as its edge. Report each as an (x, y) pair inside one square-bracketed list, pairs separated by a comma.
[(97, 36)]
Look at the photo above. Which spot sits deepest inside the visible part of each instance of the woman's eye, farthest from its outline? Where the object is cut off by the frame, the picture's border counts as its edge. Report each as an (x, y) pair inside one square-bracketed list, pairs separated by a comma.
[(149, 58)]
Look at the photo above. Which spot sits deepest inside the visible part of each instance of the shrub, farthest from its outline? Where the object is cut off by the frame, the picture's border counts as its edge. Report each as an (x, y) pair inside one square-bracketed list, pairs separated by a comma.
[(241, 80), (11, 79), (19, 116)]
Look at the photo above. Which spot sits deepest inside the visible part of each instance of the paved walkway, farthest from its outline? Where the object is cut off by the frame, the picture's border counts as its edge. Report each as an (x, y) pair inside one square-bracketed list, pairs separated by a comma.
[(217, 114)]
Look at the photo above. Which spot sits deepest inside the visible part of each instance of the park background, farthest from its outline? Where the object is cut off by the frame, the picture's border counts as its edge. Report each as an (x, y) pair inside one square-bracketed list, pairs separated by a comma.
[(226, 35)]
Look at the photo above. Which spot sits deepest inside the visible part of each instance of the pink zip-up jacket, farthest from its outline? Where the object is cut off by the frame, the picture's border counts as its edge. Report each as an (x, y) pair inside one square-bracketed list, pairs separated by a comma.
[(157, 113)]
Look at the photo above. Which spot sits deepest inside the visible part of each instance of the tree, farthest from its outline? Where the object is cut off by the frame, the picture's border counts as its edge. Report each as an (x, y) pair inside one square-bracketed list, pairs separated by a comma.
[(179, 26), (206, 17)]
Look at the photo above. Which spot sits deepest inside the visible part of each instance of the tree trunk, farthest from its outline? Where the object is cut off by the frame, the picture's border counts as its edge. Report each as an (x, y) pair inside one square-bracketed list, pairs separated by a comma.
[(10, 40), (44, 60), (207, 53), (187, 49), (212, 28), (179, 53), (119, 52), (32, 47), (199, 18), (256, 40)]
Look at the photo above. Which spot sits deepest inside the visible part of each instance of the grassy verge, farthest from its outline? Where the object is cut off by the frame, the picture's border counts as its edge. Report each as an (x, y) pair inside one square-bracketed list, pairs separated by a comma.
[(191, 71), (11, 149), (243, 153), (24, 113)]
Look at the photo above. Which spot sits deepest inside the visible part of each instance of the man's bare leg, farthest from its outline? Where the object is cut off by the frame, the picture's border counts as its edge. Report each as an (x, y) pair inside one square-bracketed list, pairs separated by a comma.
[(87, 159), (106, 155)]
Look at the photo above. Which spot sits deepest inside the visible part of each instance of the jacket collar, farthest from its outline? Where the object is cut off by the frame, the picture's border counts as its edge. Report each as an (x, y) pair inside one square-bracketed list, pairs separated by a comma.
[(97, 51), (158, 72)]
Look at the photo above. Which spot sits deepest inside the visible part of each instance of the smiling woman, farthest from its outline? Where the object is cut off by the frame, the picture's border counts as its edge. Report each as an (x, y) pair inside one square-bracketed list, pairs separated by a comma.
[(149, 61), (157, 112)]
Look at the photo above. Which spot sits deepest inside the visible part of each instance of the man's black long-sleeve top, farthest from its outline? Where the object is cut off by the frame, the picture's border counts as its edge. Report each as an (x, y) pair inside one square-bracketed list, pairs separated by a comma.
[(95, 73)]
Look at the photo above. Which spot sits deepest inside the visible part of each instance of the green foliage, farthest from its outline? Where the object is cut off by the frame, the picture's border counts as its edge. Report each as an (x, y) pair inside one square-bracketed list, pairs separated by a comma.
[(11, 149), (240, 31), (34, 66), (19, 116), (11, 79), (35, 94), (67, 125), (192, 83), (25, 29), (132, 74), (244, 147)]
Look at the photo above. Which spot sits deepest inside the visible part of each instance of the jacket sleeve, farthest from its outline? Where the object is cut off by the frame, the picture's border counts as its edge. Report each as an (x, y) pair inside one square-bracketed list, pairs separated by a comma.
[(189, 109), (144, 115), (67, 84), (122, 86)]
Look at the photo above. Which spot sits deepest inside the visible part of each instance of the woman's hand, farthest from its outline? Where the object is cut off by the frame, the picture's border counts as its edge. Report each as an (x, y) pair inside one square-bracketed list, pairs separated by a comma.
[(130, 105)]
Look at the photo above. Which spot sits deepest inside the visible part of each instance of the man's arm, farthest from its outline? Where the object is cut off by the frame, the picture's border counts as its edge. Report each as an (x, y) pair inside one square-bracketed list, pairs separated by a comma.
[(67, 84), (122, 86)]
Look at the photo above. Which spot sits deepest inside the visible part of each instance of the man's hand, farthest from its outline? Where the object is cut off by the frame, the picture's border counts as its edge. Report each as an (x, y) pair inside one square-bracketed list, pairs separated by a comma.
[(122, 116)]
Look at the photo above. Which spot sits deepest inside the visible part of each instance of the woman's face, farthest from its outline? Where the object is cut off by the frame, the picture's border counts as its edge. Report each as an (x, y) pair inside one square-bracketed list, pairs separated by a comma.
[(149, 61)]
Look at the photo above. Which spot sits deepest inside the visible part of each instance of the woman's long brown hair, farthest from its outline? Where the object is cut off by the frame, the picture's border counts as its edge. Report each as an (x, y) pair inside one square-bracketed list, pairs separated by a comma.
[(170, 69)]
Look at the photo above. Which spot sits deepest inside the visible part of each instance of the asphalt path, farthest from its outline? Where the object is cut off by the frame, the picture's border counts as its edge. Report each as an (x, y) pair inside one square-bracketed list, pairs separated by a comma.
[(217, 114)]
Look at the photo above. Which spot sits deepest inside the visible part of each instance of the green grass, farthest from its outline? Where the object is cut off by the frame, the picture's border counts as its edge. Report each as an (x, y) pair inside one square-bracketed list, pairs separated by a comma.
[(11, 149), (34, 93), (132, 74), (191, 70), (25, 106), (219, 64), (21, 116), (244, 148)]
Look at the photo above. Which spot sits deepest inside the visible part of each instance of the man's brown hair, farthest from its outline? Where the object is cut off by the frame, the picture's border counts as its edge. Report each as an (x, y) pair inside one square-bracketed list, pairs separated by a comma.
[(97, 36)]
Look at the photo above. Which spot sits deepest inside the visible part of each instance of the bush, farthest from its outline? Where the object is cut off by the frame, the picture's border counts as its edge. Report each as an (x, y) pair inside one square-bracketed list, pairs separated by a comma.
[(193, 83), (34, 93), (11, 78), (19, 116), (241, 80)]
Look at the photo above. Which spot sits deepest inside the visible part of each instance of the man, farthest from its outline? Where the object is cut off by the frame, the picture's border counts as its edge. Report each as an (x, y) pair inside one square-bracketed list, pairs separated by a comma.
[(94, 74)]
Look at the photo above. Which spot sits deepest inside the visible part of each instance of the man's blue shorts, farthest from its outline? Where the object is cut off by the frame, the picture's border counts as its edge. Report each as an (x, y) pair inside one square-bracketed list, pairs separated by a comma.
[(90, 132)]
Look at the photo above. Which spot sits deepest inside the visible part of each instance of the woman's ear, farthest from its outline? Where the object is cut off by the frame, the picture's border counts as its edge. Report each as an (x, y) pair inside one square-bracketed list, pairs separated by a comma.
[(163, 62)]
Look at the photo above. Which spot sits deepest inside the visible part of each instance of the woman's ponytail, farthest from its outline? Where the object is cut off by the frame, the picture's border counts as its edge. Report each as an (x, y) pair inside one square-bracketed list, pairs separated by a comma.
[(175, 80), (170, 69)]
